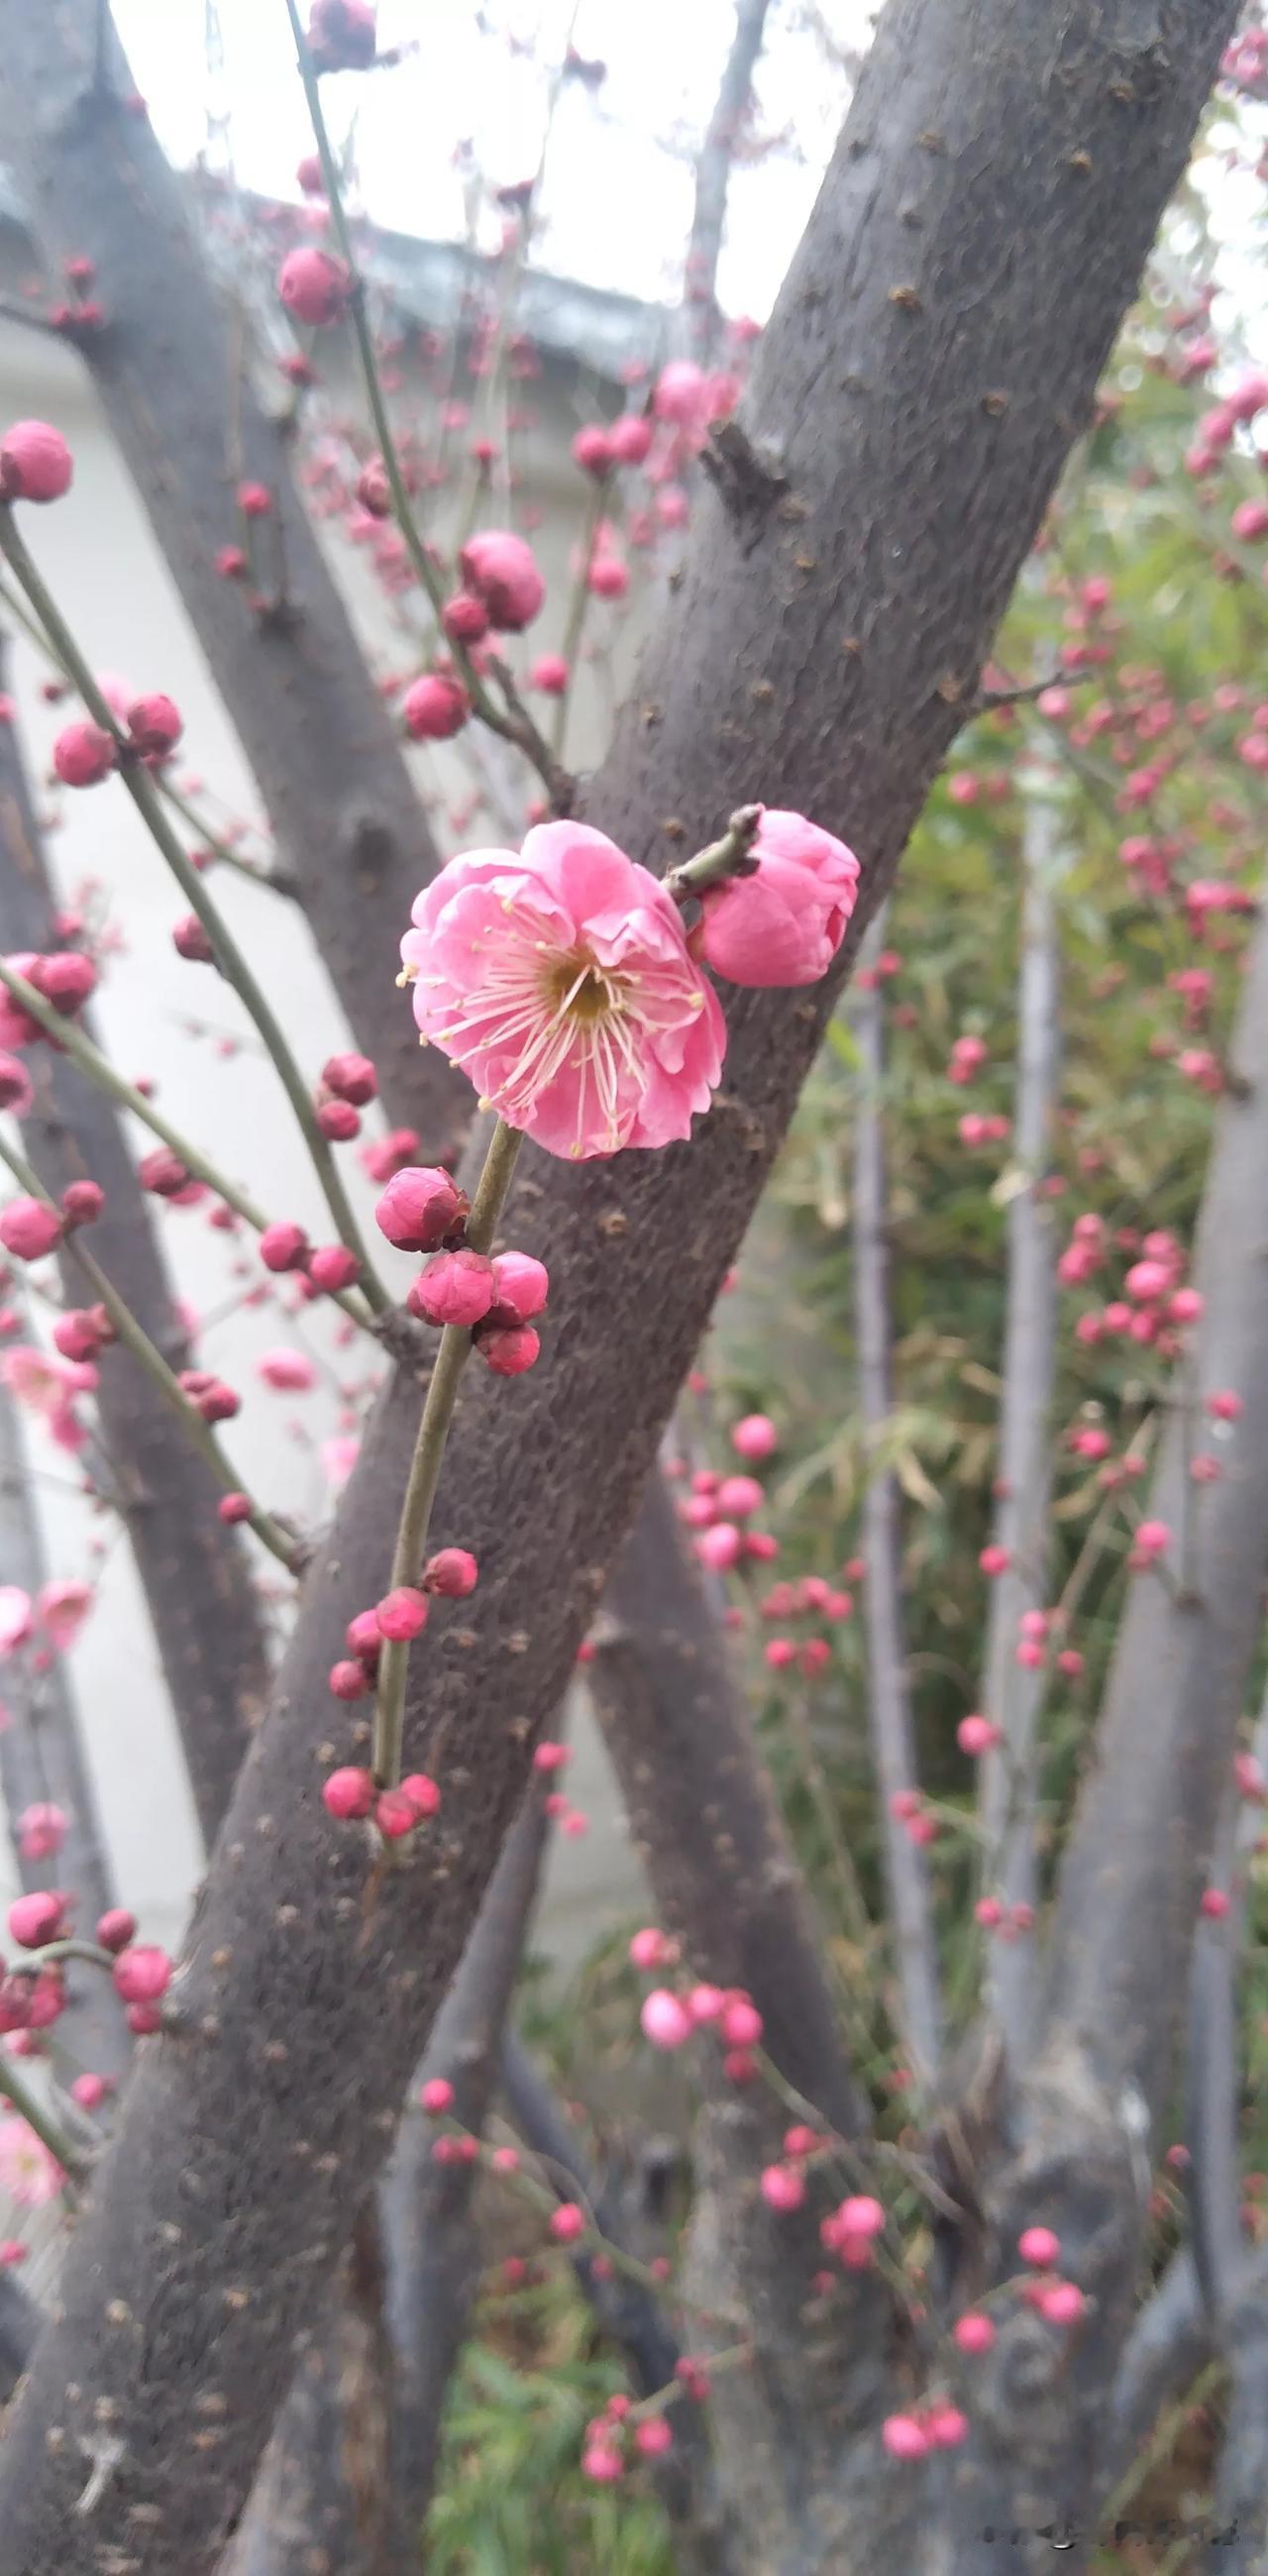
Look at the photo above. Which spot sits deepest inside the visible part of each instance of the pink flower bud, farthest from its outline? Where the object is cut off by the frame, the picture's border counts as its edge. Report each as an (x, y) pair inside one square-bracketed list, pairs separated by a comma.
[(946, 2426), (82, 1203), (435, 708), (1186, 1306), (522, 1287), (740, 2023), (904, 2437), (343, 35), (782, 2187), (422, 1793), (651, 1948), (549, 674), (755, 1437), (452, 1573), (155, 723), (348, 1680), (89, 2091), (592, 450), (192, 942), (1039, 2246), (1215, 1904), (349, 1793), (351, 1077), (419, 1207), (28, 1229), (739, 1496), (653, 2437), (162, 1173), (436, 2096), (35, 462), (785, 923), (499, 567), (465, 618), (338, 1121), (974, 2332), (508, 1349), (333, 1268), (66, 979), (395, 1815), (664, 2020), (555, 1757), (313, 286), (630, 438), (995, 1560), (284, 1246), (287, 1372), (33, 1920), (719, 1547), (142, 1974), (455, 1288), (1224, 1405), (83, 754), (1062, 2304), (115, 1928), (607, 576), (402, 1614), (600, 2462), (976, 1734), (567, 2223)]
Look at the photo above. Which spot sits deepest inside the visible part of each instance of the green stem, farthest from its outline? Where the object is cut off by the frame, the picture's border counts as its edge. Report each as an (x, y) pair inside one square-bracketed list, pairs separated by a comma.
[(274, 880), (26, 2102), (149, 804), (152, 1361), (725, 858), (98, 1068), (575, 628), (429, 1450), (515, 725)]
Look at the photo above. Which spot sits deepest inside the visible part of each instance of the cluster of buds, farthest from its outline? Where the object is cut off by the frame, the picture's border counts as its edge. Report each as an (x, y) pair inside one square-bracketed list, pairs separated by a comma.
[(669, 2018), (495, 1298)]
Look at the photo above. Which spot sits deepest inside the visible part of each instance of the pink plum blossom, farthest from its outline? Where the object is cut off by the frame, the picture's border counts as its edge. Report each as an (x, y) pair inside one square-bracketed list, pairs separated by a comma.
[(29, 2172), (560, 980)]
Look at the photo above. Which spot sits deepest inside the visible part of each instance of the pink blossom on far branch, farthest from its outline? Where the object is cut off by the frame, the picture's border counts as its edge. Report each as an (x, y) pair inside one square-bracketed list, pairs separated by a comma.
[(559, 979)]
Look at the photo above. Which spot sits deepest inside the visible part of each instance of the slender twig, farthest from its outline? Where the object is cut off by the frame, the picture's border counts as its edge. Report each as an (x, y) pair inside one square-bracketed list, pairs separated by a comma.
[(514, 723), (15, 2089), (100, 1071), (424, 1474), (269, 1531), (149, 804), (580, 601)]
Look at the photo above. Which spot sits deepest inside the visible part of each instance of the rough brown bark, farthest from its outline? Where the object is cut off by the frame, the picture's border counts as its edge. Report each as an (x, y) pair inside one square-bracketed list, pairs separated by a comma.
[(193, 1570), (190, 427), (701, 1808), (934, 352)]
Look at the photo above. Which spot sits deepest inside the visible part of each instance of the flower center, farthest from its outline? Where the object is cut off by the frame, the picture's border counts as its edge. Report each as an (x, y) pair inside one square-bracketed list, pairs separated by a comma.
[(580, 990)]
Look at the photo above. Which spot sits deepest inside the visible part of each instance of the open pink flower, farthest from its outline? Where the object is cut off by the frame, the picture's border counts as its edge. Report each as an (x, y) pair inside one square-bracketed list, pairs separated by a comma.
[(29, 2172), (784, 924), (46, 1384), (559, 979)]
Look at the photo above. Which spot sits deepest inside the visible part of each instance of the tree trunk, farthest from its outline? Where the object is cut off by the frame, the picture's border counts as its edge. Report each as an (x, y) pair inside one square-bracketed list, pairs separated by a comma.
[(934, 351), (1014, 1693), (701, 1808), (890, 1722), (179, 399)]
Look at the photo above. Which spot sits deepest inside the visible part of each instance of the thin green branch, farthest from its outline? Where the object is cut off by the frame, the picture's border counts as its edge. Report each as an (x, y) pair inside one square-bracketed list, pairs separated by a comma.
[(514, 722), (152, 1361), (98, 1069), (424, 1474), (149, 804)]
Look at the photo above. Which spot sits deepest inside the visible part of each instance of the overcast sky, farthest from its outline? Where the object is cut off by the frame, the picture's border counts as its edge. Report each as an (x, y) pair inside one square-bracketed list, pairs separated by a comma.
[(617, 201)]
